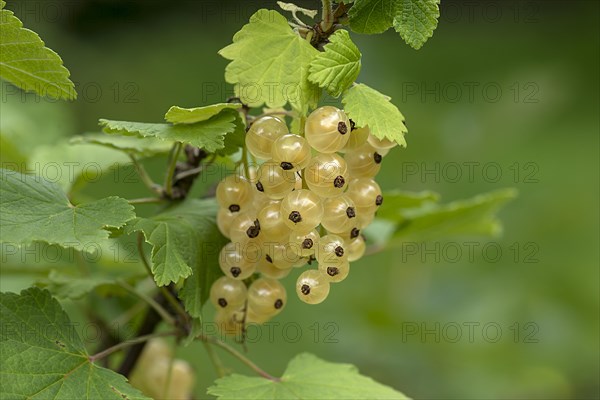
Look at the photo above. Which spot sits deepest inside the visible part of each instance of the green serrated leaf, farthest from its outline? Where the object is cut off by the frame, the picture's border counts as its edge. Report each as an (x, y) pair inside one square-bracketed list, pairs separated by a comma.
[(415, 20), (44, 357), (138, 146), (28, 64), (366, 106), (475, 216), (269, 63), (32, 208), (180, 237), (306, 377), (180, 115), (338, 66), (209, 134), (372, 16)]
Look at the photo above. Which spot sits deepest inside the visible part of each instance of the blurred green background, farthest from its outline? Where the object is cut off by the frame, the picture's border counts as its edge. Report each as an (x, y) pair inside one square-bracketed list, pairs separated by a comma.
[(506, 94)]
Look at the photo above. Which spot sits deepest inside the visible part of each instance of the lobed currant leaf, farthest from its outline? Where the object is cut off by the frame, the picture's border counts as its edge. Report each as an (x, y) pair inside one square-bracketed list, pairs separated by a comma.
[(366, 106), (306, 377), (44, 357), (32, 208), (270, 63), (27, 63), (180, 115), (338, 66)]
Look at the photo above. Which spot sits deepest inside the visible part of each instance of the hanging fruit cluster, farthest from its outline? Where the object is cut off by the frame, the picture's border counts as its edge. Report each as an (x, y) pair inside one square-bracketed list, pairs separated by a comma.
[(305, 204)]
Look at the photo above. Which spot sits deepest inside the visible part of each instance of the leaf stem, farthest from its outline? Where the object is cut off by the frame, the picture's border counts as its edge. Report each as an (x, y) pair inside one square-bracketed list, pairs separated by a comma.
[(146, 179), (172, 163), (129, 343), (328, 17), (215, 359), (239, 356), (157, 307)]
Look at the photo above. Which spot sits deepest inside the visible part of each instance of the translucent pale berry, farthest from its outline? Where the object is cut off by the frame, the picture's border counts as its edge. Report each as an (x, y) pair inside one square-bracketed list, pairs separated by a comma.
[(366, 194), (268, 269), (364, 162), (266, 296), (327, 175), (304, 244), (383, 144), (274, 181), (312, 287), (234, 193), (272, 224), (224, 220), (327, 129), (228, 293), (246, 226), (280, 254), (357, 138), (335, 273), (356, 248), (262, 134), (292, 152), (238, 261), (230, 323), (302, 210), (331, 250), (339, 214)]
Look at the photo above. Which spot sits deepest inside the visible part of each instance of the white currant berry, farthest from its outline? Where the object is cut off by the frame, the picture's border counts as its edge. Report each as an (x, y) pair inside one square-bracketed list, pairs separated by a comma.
[(262, 134), (358, 137), (268, 269), (356, 248), (304, 244), (272, 223), (335, 273), (246, 226), (224, 220), (280, 254), (238, 261), (331, 250), (230, 323), (327, 129), (234, 193), (366, 194), (228, 293), (312, 287), (327, 175), (381, 144), (302, 210), (364, 162), (266, 296), (292, 152), (339, 214), (274, 181)]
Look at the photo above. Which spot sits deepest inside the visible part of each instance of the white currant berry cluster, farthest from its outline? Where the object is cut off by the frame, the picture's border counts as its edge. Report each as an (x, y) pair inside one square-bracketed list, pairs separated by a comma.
[(305, 204)]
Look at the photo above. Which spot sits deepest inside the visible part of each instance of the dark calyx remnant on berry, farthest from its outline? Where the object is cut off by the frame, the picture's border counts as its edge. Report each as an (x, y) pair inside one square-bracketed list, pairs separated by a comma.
[(278, 304), (339, 251), (350, 212), (352, 125), (234, 208), (305, 289), (377, 158), (332, 271), (259, 187), (354, 233), (268, 258), (295, 217), (342, 128), (235, 271), (307, 243), (222, 302), (286, 166), (379, 200), (339, 181)]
